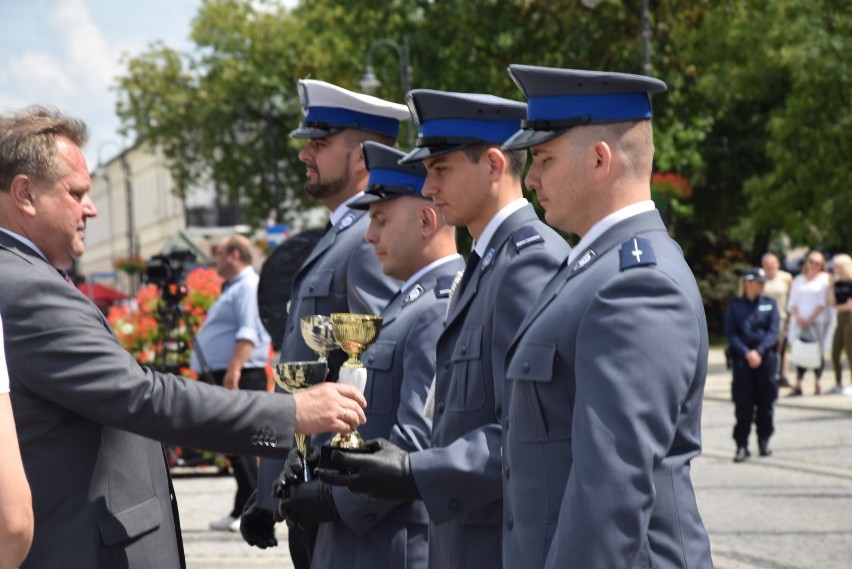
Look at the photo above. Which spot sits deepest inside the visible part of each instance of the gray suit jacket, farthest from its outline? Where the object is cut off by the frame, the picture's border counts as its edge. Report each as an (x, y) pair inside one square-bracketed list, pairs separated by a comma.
[(400, 368), (459, 477), (606, 379), (341, 274), (89, 418)]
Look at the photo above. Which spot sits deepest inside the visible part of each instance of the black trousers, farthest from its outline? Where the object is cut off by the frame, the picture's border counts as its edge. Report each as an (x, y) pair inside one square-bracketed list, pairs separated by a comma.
[(244, 467), (754, 392)]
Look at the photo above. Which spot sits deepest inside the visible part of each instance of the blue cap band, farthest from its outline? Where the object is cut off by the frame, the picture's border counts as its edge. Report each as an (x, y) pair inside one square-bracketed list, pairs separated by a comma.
[(396, 178), (599, 108), (347, 118), (489, 131)]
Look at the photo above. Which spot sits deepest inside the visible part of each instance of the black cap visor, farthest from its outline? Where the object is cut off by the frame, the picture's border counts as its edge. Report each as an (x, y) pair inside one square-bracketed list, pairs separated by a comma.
[(421, 153), (382, 193), (527, 137), (313, 131)]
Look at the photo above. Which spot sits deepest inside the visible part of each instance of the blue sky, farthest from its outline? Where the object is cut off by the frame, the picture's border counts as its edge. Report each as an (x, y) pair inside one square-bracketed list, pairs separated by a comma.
[(65, 53)]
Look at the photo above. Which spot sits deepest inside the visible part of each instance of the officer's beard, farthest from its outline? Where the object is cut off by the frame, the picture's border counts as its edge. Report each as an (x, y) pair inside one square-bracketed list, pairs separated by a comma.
[(321, 190)]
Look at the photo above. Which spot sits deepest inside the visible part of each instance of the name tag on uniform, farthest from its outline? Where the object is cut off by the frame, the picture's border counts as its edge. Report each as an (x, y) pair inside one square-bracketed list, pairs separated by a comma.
[(764, 307)]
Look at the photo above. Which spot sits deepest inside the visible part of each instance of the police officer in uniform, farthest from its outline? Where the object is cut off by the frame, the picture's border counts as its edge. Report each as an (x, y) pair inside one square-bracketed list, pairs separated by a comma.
[(342, 273), (751, 326), (474, 184), (606, 373), (413, 244)]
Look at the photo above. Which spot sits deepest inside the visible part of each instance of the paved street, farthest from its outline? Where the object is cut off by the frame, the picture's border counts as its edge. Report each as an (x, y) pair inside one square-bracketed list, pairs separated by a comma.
[(792, 510)]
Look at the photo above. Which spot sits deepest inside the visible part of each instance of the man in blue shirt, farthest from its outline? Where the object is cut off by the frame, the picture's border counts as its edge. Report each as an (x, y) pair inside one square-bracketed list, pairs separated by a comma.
[(234, 345), (751, 326)]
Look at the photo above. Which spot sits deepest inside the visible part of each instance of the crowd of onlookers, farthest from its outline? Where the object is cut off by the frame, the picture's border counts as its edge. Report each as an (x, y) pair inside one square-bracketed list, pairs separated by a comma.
[(815, 305)]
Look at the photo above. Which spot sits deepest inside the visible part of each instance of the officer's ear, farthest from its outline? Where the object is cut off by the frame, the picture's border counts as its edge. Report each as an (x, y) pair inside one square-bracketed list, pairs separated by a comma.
[(428, 220), (496, 161)]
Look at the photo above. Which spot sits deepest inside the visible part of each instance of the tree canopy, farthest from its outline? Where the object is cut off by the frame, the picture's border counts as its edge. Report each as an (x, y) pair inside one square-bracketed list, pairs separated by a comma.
[(757, 115)]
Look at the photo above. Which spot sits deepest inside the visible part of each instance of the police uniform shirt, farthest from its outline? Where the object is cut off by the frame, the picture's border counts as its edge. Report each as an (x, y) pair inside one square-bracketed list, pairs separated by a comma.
[(752, 325)]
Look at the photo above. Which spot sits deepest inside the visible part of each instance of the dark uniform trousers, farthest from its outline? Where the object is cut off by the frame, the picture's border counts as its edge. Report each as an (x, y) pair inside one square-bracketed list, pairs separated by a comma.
[(244, 467), (754, 388)]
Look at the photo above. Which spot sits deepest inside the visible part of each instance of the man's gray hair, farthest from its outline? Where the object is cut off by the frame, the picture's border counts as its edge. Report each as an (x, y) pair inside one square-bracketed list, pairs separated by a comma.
[(28, 143)]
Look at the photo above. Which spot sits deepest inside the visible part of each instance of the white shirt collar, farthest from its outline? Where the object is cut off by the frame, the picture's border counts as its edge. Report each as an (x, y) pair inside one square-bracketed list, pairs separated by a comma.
[(604, 224), (481, 244), (416, 276), (343, 209)]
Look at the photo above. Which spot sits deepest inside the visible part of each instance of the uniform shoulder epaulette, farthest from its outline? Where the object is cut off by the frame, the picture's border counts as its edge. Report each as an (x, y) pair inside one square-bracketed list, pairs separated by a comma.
[(636, 252), (525, 236), (444, 286)]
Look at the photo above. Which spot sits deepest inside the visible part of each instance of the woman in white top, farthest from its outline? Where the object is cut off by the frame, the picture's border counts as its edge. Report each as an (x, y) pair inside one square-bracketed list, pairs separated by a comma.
[(16, 508), (809, 311)]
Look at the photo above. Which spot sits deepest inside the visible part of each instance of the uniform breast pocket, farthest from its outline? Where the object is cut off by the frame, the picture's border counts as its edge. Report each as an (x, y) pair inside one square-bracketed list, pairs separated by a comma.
[(381, 382), (318, 284), (468, 392), (531, 373)]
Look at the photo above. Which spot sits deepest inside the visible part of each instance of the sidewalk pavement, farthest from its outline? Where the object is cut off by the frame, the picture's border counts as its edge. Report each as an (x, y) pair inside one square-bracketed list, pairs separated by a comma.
[(718, 388)]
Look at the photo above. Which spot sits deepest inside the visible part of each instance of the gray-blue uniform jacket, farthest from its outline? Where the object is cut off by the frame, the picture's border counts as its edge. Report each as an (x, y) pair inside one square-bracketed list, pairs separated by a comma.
[(341, 274), (459, 477), (606, 377), (400, 367)]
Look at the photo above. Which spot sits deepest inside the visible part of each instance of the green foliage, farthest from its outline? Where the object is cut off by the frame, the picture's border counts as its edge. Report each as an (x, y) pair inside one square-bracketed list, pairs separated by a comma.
[(756, 117)]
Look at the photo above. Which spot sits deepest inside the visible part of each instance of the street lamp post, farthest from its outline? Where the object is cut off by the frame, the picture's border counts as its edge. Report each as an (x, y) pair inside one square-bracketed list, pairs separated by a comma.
[(370, 83), (646, 32)]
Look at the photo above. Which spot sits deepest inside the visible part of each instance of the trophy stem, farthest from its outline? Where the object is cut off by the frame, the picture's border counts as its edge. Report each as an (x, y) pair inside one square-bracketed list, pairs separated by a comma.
[(302, 443)]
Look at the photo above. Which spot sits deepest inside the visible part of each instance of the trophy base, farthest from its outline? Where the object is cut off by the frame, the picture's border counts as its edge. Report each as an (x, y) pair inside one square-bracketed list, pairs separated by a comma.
[(325, 455), (349, 441)]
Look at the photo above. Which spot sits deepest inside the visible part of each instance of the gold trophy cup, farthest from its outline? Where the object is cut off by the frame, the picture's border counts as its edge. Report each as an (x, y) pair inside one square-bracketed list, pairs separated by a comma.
[(354, 333), (318, 335), (295, 376)]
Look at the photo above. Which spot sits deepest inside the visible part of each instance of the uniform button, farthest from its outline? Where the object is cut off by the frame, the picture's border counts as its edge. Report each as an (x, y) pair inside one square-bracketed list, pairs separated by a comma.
[(311, 288), (291, 327), (526, 365), (464, 350), (506, 472), (510, 522), (273, 442), (506, 424), (455, 506), (371, 359), (446, 365), (441, 407)]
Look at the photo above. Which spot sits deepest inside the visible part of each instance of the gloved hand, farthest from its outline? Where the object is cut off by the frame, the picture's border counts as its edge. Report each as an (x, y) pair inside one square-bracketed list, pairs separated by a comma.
[(384, 473), (257, 525), (294, 470), (306, 505)]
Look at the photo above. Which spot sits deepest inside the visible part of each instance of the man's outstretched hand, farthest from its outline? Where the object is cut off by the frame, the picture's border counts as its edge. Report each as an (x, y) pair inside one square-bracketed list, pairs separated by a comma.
[(329, 407), (382, 472)]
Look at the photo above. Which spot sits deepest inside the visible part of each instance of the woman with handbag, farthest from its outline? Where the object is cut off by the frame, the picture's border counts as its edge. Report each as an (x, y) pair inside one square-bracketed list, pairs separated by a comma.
[(809, 315)]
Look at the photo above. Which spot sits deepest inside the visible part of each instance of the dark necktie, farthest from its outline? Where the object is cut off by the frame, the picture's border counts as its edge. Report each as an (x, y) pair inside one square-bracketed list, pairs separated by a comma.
[(471, 267)]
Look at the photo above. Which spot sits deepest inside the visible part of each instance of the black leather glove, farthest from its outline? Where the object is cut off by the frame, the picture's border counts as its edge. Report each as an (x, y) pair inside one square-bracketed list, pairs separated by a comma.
[(294, 470), (306, 505), (382, 472), (257, 525)]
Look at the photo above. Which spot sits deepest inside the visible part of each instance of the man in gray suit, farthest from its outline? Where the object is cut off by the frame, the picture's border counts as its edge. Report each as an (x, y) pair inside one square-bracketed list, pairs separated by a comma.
[(606, 373), (413, 244), (473, 184), (88, 416), (341, 274)]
